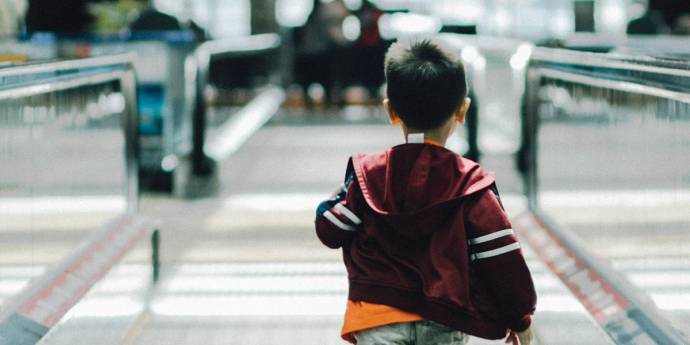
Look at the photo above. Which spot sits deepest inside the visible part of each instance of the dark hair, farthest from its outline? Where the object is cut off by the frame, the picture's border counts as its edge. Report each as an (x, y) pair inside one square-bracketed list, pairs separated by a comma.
[(425, 83)]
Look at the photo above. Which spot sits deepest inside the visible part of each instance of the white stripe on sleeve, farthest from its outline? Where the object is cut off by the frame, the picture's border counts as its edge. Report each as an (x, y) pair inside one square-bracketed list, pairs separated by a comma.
[(495, 252), (330, 216), (492, 236), (345, 211)]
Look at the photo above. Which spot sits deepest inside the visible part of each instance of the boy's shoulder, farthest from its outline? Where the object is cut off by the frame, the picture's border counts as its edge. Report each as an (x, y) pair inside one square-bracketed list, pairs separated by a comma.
[(414, 155), (420, 162)]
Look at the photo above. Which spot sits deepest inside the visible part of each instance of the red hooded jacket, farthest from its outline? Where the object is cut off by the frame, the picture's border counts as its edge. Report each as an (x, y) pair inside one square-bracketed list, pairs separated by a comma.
[(423, 230)]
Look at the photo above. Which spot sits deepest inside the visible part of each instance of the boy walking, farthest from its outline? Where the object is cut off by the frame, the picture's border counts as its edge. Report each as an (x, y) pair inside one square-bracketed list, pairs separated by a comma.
[(430, 254)]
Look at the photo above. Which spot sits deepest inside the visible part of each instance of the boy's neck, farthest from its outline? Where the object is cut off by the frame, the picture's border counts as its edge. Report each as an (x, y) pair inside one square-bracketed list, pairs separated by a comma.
[(439, 135)]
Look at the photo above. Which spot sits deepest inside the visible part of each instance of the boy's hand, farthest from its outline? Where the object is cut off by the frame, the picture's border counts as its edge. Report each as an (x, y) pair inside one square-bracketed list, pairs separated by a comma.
[(520, 338)]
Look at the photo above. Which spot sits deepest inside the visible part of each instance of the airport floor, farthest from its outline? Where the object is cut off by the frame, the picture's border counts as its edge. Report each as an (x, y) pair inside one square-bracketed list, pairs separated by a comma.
[(245, 267)]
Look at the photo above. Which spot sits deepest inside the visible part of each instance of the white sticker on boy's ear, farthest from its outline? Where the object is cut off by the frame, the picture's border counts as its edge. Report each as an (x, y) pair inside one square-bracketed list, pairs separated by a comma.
[(415, 138)]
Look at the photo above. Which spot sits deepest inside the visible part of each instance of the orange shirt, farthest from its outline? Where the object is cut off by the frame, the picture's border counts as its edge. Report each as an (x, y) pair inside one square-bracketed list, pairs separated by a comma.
[(362, 315), (433, 142)]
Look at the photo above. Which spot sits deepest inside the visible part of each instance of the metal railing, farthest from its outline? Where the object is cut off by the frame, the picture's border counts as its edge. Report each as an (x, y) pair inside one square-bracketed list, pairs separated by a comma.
[(197, 69), (606, 88), (69, 142), (650, 45), (158, 59), (45, 78), (174, 70), (645, 76)]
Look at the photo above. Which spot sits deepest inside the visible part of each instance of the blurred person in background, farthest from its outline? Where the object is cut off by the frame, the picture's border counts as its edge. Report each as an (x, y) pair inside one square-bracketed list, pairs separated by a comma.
[(671, 10), (11, 16), (317, 45), (681, 26), (263, 19), (60, 16), (650, 23), (151, 19), (370, 49)]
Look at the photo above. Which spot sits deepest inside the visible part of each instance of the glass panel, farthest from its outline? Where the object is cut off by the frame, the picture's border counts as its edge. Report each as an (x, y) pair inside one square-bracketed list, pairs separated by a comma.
[(63, 175), (614, 168)]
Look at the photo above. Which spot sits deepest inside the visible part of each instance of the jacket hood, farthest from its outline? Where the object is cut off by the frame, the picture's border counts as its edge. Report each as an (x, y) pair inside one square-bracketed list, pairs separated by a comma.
[(416, 188)]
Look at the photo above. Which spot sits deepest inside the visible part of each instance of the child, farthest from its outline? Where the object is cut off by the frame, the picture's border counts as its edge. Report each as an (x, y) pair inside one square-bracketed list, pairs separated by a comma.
[(430, 254)]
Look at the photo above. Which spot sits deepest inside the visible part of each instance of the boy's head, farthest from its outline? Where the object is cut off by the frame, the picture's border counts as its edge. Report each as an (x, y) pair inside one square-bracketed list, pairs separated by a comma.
[(425, 84)]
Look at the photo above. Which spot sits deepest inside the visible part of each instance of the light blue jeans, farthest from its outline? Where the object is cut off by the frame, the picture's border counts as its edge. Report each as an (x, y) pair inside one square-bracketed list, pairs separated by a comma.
[(423, 332)]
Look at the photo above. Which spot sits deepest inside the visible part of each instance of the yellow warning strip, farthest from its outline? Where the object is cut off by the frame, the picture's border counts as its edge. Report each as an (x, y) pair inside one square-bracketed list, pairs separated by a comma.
[(136, 328), (13, 58)]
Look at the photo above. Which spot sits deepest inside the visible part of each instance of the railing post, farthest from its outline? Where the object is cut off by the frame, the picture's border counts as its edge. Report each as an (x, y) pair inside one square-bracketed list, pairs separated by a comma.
[(472, 125), (199, 163), (528, 153), (128, 87), (155, 255), (198, 66)]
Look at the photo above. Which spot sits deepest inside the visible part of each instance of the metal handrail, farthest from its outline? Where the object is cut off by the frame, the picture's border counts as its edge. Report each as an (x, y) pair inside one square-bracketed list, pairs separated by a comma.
[(56, 66), (648, 64), (546, 63), (41, 86), (239, 45), (653, 45), (625, 86)]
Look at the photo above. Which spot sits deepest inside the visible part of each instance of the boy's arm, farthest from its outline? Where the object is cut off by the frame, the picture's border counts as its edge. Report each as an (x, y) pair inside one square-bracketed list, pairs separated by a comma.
[(496, 255), (336, 221)]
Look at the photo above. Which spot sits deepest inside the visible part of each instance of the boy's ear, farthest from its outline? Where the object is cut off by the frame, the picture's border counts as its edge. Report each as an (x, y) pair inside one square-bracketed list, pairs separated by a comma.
[(392, 115), (462, 110)]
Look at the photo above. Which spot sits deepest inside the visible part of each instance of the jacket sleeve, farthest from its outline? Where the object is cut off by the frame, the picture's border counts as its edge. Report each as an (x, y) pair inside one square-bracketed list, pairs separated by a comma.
[(496, 255), (337, 220)]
